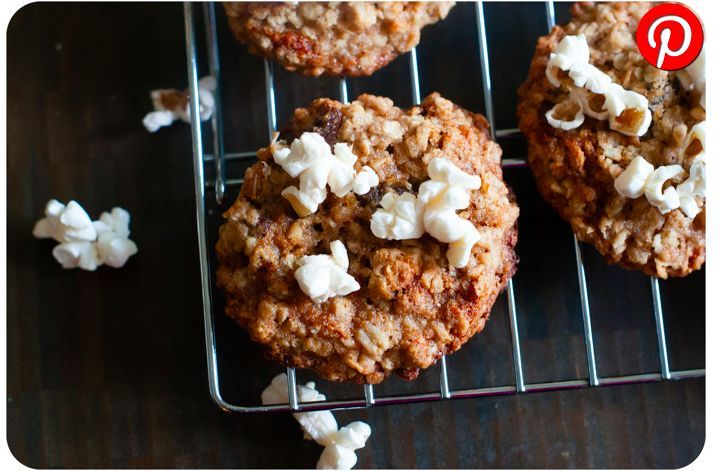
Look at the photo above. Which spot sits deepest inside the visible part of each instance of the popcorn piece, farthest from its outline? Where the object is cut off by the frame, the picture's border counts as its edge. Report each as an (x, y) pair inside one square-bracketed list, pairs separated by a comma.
[(170, 105), (696, 185), (114, 250), (592, 104), (337, 457), (342, 174), (571, 50), (324, 276), (665, 200), (365, 180), (399, 218), (632, 181), (309, 157), (64, 223), (628, 112), (353, 435), (590, 77), (440, 198), (81, 254), (158, 119), (566, 115)]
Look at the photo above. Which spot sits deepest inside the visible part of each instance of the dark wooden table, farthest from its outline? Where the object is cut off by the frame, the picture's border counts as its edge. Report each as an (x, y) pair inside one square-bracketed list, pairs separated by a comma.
[(107, 369)]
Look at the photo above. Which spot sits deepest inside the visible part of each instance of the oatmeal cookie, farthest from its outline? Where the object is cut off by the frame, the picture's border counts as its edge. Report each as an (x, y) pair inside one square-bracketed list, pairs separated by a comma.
[(412, 306), (333, 38), (575, 170)]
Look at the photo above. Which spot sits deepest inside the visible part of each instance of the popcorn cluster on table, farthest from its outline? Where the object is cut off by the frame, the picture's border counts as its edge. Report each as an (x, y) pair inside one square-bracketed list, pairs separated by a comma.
[(321, 426), (407, 216), (309, 157), (593, 93), (84, 243), (324, 276), (165, 114), (641, 178)]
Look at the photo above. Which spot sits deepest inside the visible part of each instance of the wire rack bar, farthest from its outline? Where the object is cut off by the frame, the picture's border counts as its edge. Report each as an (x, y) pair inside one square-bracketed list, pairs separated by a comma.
[(586, 313), (550, 14), (660, 335), (473, 393), (213, 59), (270, 97), (490, 112), (199, 187), (219, 158)]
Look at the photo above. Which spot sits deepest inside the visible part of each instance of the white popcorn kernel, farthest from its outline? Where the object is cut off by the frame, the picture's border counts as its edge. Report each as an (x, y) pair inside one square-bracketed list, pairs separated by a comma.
[(365, 180), (277, 391), (632, 180), (628, 112), (592, 104), (114, 250), (439, 198), (163, 116), (688, 204), (337, 457), (566, 115), (664, 200), (309, 157), (64, 223), (116, 221), (444, 170), (79, 254), (342, 174), (306, 150), (590, 77), (353, 435), (317, 425), (399, 218), (304, 204), (571, 50), (459, 251), (156, 120), (324, 276)]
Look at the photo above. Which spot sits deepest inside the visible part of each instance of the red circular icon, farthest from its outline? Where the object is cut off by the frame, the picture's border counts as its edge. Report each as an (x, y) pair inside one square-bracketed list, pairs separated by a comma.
[(670, 36)]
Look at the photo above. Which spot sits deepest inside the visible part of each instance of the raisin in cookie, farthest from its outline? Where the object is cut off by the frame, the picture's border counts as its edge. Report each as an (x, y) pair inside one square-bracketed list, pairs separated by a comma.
[(616, 145), (405, 305), (333, 38)]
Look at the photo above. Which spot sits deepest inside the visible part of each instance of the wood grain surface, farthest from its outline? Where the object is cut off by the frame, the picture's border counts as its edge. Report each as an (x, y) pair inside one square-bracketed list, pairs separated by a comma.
[(107, 368)]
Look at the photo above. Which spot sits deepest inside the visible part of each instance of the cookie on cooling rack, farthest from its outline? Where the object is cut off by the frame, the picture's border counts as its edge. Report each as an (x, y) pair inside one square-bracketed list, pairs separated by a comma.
[(369, 240), (616, 145), (333, 38)]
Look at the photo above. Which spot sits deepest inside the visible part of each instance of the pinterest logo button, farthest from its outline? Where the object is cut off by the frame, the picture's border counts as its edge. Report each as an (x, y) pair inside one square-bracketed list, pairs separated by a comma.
[(670, 36)]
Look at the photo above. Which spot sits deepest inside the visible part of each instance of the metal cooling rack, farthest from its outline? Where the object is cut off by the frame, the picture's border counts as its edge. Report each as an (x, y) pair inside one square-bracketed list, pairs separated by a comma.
[(218, 184)]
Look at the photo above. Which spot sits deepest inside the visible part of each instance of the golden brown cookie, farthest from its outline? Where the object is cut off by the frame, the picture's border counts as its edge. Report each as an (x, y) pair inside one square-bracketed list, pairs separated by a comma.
[(333, 38), (575, 170), (412, 306)]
